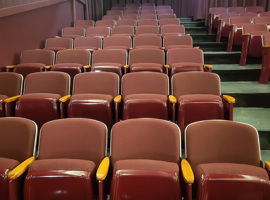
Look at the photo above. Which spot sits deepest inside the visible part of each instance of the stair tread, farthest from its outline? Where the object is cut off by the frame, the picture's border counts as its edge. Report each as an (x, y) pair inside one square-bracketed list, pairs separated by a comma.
[(245, 87), (237, 67)]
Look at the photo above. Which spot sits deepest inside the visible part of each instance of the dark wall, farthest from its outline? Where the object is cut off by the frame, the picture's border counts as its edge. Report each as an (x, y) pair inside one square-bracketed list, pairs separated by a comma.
[(30, 29)]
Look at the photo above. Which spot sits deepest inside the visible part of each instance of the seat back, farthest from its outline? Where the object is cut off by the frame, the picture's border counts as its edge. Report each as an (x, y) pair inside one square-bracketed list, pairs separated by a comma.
[(130, 16), (256, 9), (88, 42), (236, 9), (147, 11), (164, 16), (266, 39), (195, 83), (18, 138), (114, 12), (124, 41), (165, 7), (38, 56), (10, 84), (106, 23), (98, 31), (226, 15), (81, 56), (47, 82), (263, 14), (66, 43), (152, 139), (111, 56), (131, 11), (111, 17), (177, 40), (147, 29), (184, 55), (129, 30), (262, 20), (148, 22), (145, 82), (220, 141), (249, 28), (73, 138), (165, 11), (80, 31), (173, 29), (148, 16), (147, 39), (84, 23), (240, 20), (174, 21), (147, 56), (96, 83), (127, 22), (248, 14)]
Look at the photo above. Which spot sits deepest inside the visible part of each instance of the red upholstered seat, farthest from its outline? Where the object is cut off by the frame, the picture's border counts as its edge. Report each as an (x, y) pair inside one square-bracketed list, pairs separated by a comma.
[(100, 31), (225, 159), (144, 157), (265, 72), (84, 23), (200, 98), (119, 42), (89, 43), (17, 145), (73, 32), (69, 153)]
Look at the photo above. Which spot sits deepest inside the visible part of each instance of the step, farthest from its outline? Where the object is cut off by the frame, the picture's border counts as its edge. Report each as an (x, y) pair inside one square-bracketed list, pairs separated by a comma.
[(192, 23), (223, 57), (235, 72), (248, 93), (203, 37), (196, 30), (259, 118), (211, 46)]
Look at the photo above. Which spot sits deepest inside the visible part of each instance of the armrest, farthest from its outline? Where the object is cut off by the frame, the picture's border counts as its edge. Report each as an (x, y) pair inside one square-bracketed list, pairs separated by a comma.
[(187, 171), (267, 165), (57, 36), (21, 168), (130, 48), (266, 46), (126, 66), (229, 98), (117, 99), (64, 98), (196, 47), (10, 66), (208, 66), (246, 34), (11, 99), (167, 66), (103, 169), (48, 67), (172, 99), (163, 48)]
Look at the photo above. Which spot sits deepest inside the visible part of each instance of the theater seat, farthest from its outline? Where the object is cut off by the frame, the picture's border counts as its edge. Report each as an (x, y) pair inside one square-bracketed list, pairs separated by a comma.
[(176, 41), (145, 95), (93, 97), (223, 162), (72, 61), (70, 151), (17, 152), (33, 61), (40, 101), (10, 86), (186, 59), (147, 41), (145, 154), (198, 97), (118, 42), (265, 72), (73, 32), (57, 44)]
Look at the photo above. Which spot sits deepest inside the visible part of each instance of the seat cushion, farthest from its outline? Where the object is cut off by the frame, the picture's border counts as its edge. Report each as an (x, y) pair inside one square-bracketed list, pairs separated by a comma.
[(145, 179), (197, 107), (71, 68), (145, 106), (62, 164), (108, 67), (39, 107), (231, 181), (94, 106), (27, 68), (7, 163), (153, 67), (185, 67), (143, 164)]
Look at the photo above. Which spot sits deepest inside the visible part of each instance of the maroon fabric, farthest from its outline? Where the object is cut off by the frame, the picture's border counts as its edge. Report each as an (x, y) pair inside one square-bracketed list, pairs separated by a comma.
[(7, 163), (27, 68), (144, 164), (153, 67), (62, 164)]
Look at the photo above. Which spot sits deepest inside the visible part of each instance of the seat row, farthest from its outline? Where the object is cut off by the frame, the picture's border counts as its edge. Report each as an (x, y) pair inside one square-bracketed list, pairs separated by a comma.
[(122, 41), (215, 11), (98, 96), (144, 160), (74, 61)]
